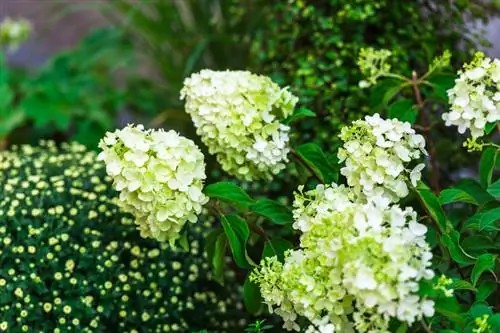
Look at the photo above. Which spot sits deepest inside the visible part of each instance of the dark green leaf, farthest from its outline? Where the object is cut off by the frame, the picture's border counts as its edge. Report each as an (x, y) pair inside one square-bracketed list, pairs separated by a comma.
[(485, 262), (462, 285), (451, 195), (441, 83), (475, 190), (489, 128), (219, 259), (403, 328), (251, 296), (276, 247), (484, 220), (383, 92), (485, 289), (228, 192), (457, 253), (299, 114), (494, 321), (237, 233), (403, 110), (479, 309), (433, 206), (494, 189), (312, 154), (449, 307), (487, 165), (276, 212), (477, 244)]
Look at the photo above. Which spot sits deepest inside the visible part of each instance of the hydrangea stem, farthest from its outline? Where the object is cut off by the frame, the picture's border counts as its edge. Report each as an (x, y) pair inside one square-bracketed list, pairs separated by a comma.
[(427, 124)]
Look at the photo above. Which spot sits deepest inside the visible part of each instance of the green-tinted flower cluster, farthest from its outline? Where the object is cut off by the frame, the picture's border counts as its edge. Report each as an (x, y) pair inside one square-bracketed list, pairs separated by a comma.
[(358, 266), (160, 178), (73, 262), (14, 32), (238, 114), (372, 64)]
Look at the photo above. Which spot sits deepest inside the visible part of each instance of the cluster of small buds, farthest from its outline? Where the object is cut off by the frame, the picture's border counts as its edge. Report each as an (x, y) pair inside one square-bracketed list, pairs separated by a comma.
[(475, 98), (378, 153), (482, 325), (72, 261), (14, 32), (372, 64), (237, 115), (443, 284), (359, 265), (160, 177)]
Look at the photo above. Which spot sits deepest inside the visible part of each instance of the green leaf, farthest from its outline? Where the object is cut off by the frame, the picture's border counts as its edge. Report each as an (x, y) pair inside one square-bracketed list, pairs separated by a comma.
[(494, 189), (441, 83), (219, 259), (299, 114), (450, 308), (494, 321), (228, 192), (479, 309), (276, 247), (477, 244), (462, 285), (484, 220), (403, 328), (485, 289), (485, 262), (457, 253), (475, 190), (487, 165), (275, 211), (312, 154), (489, 127), (451, 195), (403, 110), (383, 92), (251, 296), (433, 206), (237, 233), (6, 97)]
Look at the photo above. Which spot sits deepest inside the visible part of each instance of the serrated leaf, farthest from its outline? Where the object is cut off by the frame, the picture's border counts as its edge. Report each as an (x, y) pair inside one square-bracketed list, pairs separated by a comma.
[(487, 165), (237, 233), (312, 154), (485, 289), (274, 211), (403, 110), (485, 262), (299, 114), (484, 220), (276, 247), (494, 189), (251, 296), (229, 192)]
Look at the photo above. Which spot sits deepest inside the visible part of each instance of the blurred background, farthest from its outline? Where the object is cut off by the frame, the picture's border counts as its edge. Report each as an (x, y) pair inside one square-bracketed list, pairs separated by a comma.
[(91, 66)]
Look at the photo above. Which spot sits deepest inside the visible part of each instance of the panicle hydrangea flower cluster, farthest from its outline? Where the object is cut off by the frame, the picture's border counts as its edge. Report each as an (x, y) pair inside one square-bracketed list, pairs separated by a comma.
[(373, 64), (237, 115), (475, 98), (359, 265), (378, 153), (160, 178), (72, 261), (14, 32)]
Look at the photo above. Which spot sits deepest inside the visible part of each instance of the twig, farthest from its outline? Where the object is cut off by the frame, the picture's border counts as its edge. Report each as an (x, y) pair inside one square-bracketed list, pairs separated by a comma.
[(304, 163), (425, 326), (428, 139)]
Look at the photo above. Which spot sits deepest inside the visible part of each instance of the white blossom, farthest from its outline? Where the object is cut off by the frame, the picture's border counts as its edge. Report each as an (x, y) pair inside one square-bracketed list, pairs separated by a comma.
[(238, 114), (378, 155), (475, 98), (160, 178)]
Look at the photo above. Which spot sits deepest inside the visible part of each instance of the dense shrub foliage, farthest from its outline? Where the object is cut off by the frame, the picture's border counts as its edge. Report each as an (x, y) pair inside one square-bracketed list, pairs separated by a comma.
[(312, 46), (71, 261)]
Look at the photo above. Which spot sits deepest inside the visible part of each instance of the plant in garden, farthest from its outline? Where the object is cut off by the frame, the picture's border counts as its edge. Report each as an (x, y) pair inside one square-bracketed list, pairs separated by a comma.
[(238, 116), (73, 261)]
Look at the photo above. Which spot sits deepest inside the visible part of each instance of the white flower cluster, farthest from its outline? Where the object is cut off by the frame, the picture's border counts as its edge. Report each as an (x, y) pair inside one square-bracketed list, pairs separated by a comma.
[(377, 155), (160, 178), (475, 98), (238, 114), (359, 265), (14, 32)]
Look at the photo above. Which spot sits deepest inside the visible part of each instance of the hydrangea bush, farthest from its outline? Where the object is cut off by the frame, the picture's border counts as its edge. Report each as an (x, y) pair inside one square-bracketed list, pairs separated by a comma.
[(72, 260)]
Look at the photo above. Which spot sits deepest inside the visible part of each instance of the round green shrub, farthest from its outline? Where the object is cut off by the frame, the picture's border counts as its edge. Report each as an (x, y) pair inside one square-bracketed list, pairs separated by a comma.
[(313, 45), (71, 261)]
